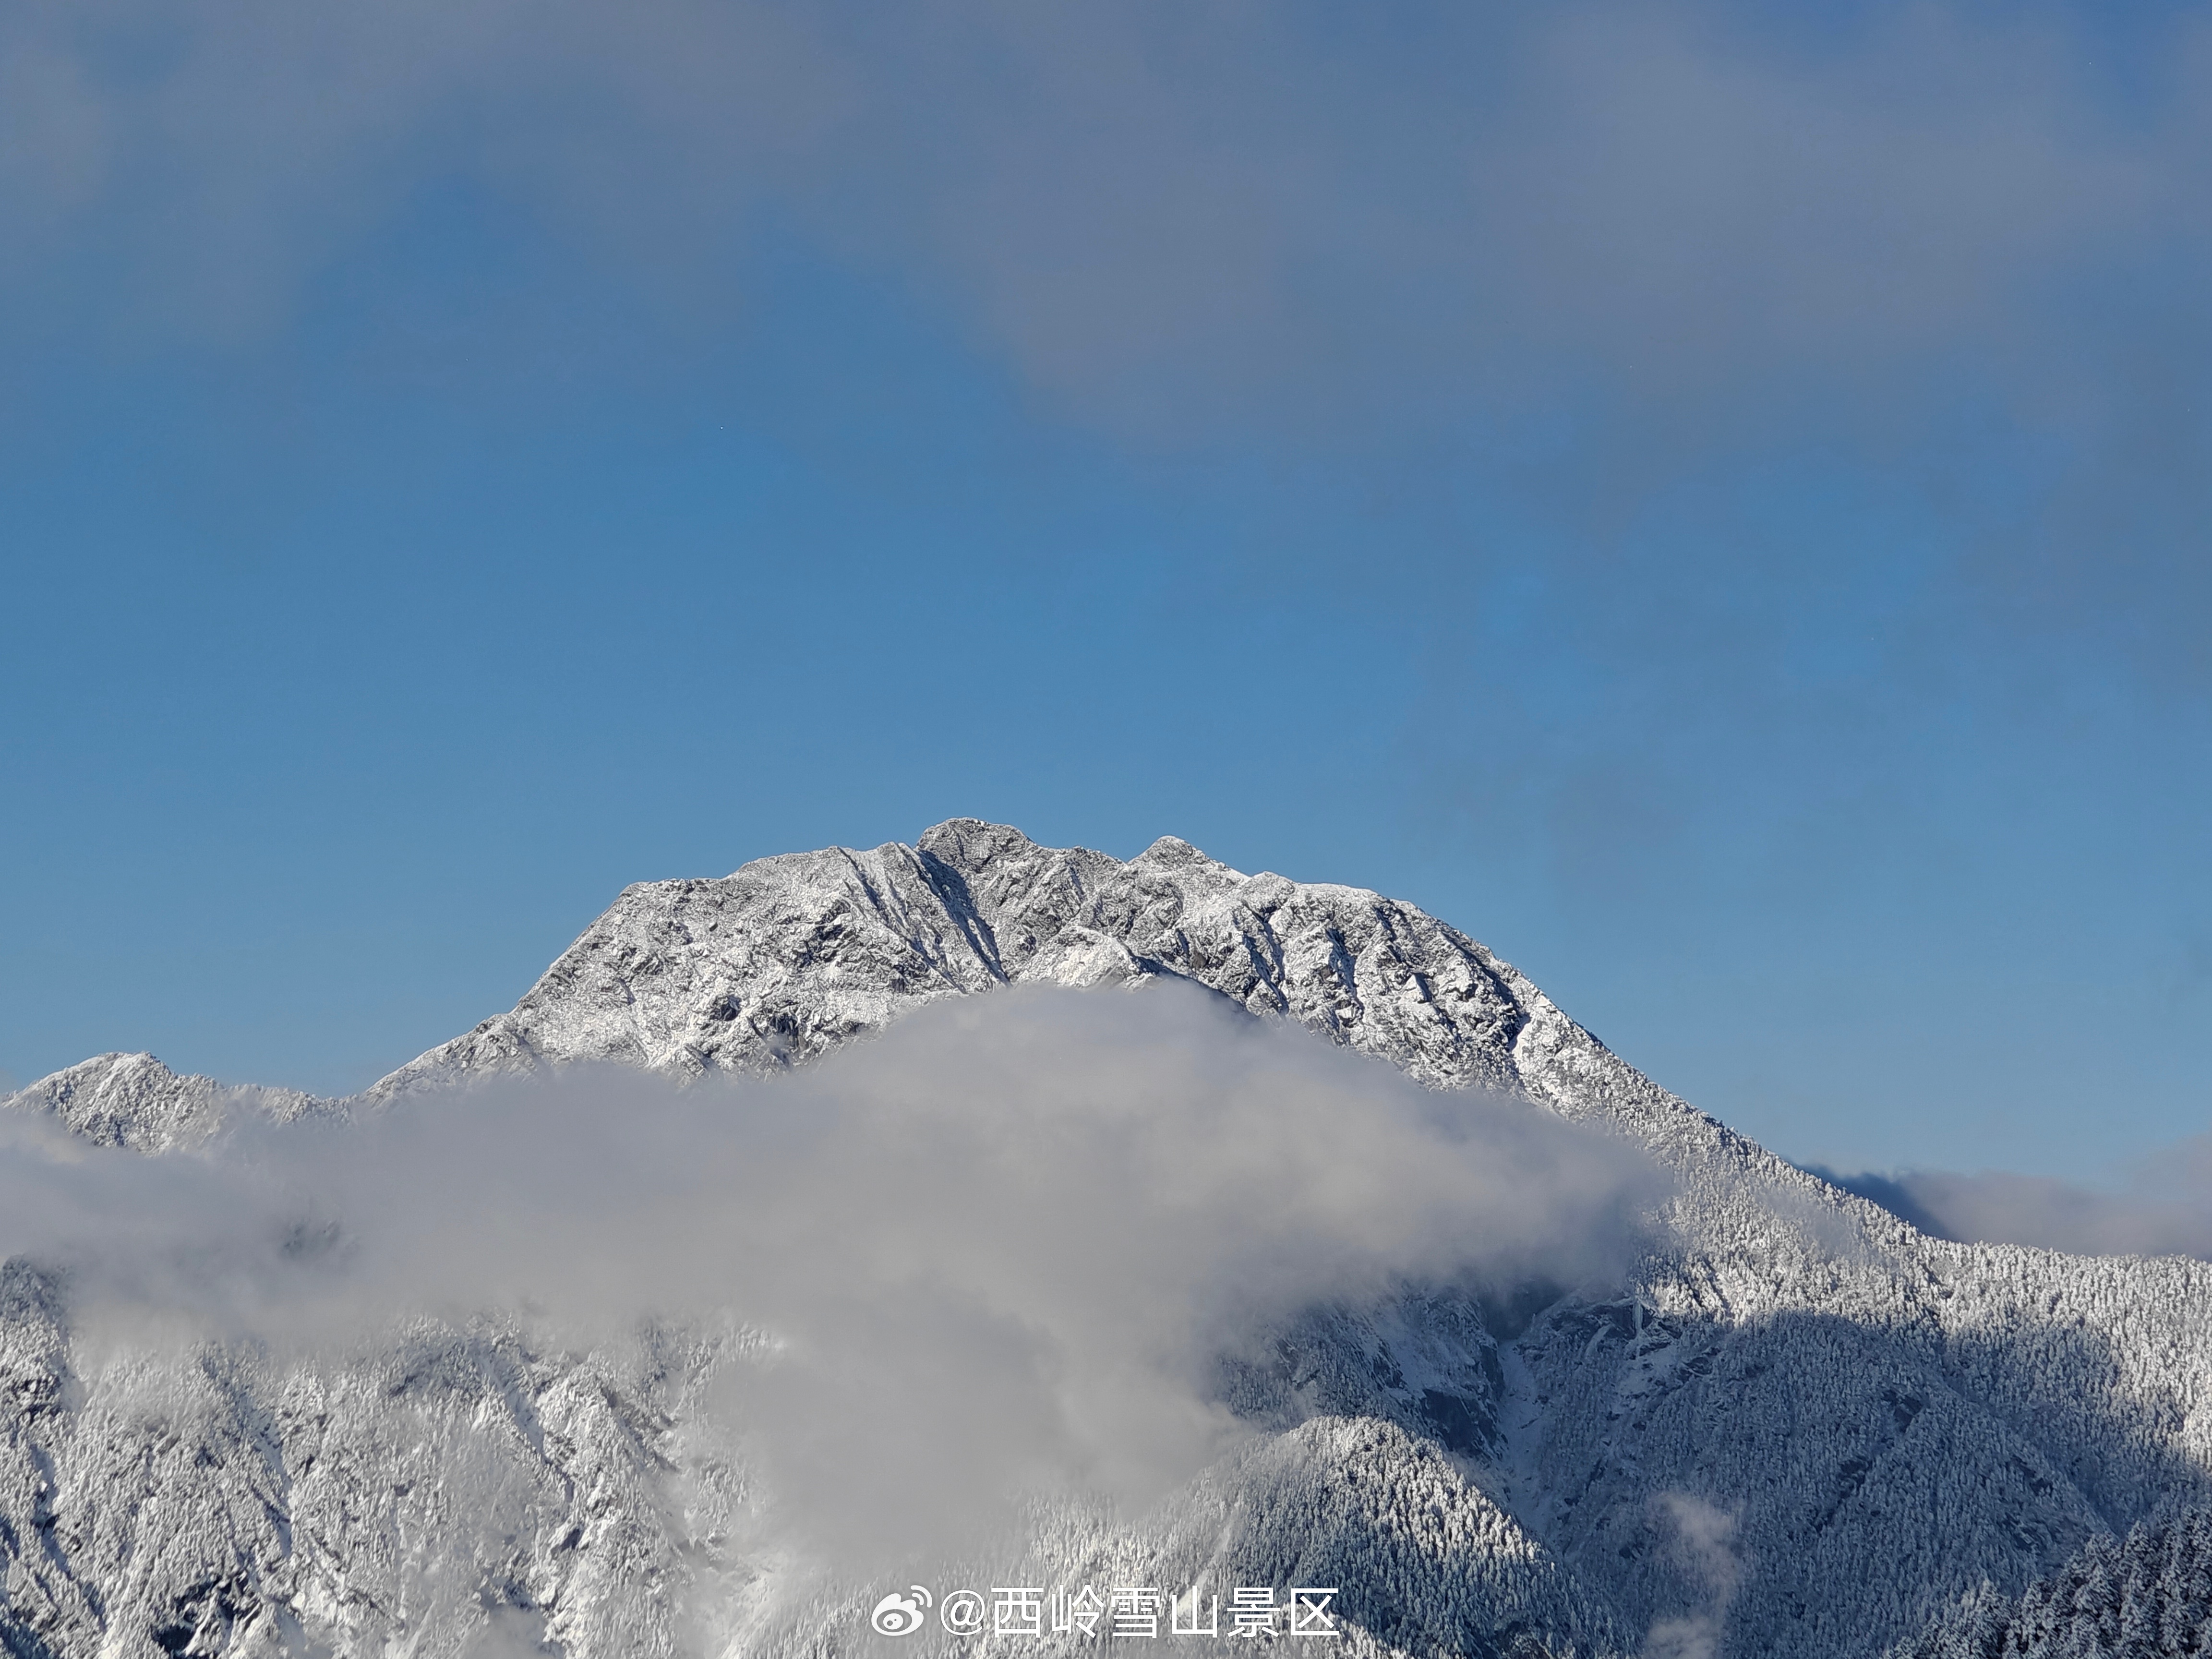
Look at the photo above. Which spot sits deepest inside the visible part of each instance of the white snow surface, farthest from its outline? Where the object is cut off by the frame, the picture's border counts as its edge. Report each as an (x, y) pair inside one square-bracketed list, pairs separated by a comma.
[(1878, 1427)]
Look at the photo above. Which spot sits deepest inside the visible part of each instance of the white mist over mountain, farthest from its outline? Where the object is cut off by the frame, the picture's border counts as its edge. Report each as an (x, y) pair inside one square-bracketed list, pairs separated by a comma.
[(998, 1249), (2163, 1206)]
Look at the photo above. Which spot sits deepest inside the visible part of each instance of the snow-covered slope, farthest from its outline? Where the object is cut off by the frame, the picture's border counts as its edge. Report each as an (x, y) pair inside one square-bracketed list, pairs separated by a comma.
[(134, 1101), (1803, 1429), (792, 955)]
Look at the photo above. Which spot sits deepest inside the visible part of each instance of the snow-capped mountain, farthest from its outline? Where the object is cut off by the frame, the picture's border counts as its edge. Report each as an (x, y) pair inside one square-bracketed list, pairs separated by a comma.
[(134, 1101), (1798, 1427), (793, 954)]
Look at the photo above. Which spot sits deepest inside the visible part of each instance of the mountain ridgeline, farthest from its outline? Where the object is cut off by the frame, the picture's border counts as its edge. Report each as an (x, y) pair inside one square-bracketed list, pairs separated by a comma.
[(1798, 1427)]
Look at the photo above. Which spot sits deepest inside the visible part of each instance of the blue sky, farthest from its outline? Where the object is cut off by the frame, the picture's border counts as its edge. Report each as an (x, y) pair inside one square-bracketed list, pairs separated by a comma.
[(1710, 499)]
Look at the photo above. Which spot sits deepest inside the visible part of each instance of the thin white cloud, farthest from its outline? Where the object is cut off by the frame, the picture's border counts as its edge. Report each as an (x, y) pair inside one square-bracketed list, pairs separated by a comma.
[(1223, 196), (2162, 1207), (1705, 1540)]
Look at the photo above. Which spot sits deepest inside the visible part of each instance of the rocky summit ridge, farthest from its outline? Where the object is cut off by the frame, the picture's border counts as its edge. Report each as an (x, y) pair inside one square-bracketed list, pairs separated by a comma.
[(793, 955), (1886, 1434)]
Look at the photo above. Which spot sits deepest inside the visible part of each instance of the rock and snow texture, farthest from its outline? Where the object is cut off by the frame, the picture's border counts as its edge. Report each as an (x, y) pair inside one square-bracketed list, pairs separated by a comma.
[(1804, 1428), (793, 955), (134, 1101)]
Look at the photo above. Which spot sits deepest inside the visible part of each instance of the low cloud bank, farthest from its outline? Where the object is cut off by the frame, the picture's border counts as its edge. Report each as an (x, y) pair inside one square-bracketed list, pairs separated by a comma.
[(2164, 1207), (993, 1250)]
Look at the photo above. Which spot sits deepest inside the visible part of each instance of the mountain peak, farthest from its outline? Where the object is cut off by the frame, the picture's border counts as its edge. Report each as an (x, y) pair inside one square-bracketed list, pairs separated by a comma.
[(970, 844), (1174, 852), (133, 1100), (789, 956)]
